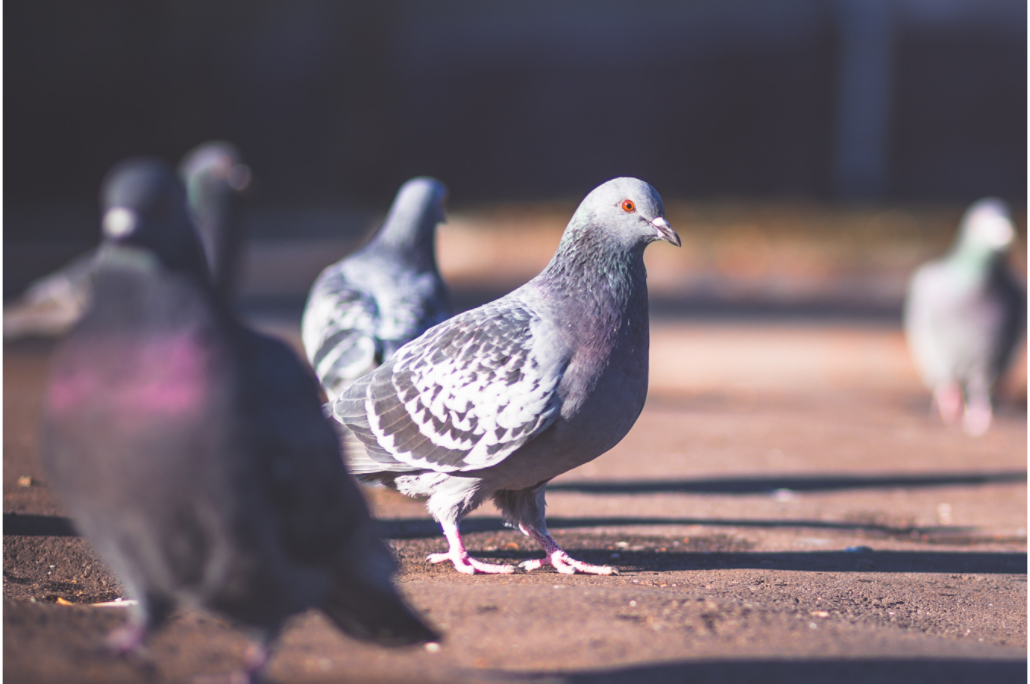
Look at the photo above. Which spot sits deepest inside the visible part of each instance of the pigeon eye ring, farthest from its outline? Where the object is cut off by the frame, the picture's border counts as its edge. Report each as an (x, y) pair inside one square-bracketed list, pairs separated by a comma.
[(628, 206)]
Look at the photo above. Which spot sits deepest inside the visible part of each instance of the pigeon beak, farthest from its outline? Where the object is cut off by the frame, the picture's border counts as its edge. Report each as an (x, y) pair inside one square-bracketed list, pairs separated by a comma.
[(119, 222), (665, 231)]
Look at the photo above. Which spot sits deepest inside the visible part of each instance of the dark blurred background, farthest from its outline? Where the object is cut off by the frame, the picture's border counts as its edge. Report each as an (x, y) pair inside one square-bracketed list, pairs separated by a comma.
[(335, 104)]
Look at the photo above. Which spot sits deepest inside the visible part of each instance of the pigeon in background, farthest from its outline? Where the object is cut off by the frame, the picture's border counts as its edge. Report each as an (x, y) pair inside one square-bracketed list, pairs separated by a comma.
[(214, 177), (362, 309), (963, 316), (193, 453), (496, 401)]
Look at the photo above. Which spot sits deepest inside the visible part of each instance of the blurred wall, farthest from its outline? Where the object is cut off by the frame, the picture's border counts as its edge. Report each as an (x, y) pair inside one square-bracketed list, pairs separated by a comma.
[(336, 102)]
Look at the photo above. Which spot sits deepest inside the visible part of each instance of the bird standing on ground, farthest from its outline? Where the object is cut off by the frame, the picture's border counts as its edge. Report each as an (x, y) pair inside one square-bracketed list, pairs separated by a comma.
[(214, 177), (497, 401), (366, 306), (193, 453), (963, 316)]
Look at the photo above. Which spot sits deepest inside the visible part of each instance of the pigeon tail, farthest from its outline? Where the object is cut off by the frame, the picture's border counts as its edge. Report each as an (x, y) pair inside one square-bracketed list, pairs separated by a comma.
[(372, 611)]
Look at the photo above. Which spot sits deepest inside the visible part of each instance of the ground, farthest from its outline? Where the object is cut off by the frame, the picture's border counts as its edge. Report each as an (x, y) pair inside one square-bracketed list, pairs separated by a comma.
[(787, 508)]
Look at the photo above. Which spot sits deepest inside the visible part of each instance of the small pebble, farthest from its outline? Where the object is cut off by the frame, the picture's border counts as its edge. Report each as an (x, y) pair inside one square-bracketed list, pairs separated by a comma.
[(432, 647), (24, 481)]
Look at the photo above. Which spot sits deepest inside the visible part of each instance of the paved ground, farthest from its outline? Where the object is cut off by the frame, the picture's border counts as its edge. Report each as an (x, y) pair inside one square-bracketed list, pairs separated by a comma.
[(793, 513)]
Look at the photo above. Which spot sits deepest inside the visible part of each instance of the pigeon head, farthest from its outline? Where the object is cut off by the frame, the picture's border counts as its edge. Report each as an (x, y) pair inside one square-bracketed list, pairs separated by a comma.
[(145, 207), (214, 164), (414, 215), (986, 230), (629, 212)]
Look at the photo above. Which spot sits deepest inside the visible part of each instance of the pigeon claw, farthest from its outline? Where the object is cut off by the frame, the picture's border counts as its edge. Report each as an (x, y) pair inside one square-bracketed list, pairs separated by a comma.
[(126, 639), (977, 418), (467, 565), (567, 565)]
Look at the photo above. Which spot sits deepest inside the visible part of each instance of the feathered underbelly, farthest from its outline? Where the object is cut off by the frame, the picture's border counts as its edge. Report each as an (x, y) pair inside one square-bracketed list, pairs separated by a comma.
[(605, 416)]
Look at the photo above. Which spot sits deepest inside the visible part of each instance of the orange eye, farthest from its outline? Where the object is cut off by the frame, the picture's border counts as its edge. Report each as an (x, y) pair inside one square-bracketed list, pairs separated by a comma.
[(628, 206)]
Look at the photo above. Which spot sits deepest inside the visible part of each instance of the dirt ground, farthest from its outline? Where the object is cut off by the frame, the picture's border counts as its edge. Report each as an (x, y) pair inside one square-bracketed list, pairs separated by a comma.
[(786, 509)]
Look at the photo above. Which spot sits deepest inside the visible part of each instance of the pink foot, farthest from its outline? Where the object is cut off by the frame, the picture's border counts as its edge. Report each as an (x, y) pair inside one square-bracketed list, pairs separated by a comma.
[(948, 399), (467, 565), (255, 659), (460, 557), (977, 419), (556, 557), (126, 639), (567, 565)]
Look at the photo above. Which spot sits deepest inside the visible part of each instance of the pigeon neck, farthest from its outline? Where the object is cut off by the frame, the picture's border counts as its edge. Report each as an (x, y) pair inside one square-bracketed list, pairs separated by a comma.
[(214, 214), (977, 259), (408, 231), (606, 278), (128, 258)]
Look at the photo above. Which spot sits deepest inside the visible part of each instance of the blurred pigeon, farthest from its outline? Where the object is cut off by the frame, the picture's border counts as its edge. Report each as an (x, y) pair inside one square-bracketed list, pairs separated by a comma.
[(363, 308), (496, 401), (963, 316), (213, 175), (193, 453)]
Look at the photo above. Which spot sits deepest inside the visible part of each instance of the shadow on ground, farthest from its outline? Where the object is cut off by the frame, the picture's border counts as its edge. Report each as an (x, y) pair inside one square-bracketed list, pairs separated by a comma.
[(766, 485), (856, 671)]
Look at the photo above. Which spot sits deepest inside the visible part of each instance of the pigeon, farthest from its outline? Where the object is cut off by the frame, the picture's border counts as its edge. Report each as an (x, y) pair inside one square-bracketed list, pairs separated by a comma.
[(214, 177), (193, 453), (963, 316), (497, 401), (364, 308)]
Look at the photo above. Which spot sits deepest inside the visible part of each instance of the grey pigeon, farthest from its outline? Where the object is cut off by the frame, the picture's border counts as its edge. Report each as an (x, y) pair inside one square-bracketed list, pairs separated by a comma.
[(193, 453), (496, 401), (363, 308), (963, 316), (213, 174)]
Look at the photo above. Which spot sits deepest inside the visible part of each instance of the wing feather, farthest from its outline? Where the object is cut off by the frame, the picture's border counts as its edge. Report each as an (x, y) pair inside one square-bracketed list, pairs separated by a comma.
[(463, 396)]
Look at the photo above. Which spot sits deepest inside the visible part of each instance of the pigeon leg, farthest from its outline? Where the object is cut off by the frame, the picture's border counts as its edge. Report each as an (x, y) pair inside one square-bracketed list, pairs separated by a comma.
[(255, 661), (948, 398), (126, 638), (557, 557), (463, 563), (977, 418), (149, 613)]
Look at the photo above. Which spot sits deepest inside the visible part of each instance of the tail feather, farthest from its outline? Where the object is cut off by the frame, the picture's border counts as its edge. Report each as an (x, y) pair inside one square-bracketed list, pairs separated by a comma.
[(373, 612), (355, 452)]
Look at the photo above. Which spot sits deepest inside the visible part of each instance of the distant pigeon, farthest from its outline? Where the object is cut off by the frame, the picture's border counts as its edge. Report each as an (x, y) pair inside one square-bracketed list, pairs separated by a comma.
[(214, 176), (963, 316), (496, 401), (364, 308), (193, 453)]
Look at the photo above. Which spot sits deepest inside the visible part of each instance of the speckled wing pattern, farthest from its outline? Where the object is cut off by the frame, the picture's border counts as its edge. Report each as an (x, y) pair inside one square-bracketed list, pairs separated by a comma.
[(338, 331), (350, 329), (463, 396)]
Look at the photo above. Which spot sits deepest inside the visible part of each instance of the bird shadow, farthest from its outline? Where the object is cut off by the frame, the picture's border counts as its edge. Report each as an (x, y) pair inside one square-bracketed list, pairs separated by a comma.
[(418, 528), (861, 560), (776, 671), (779, 483)]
